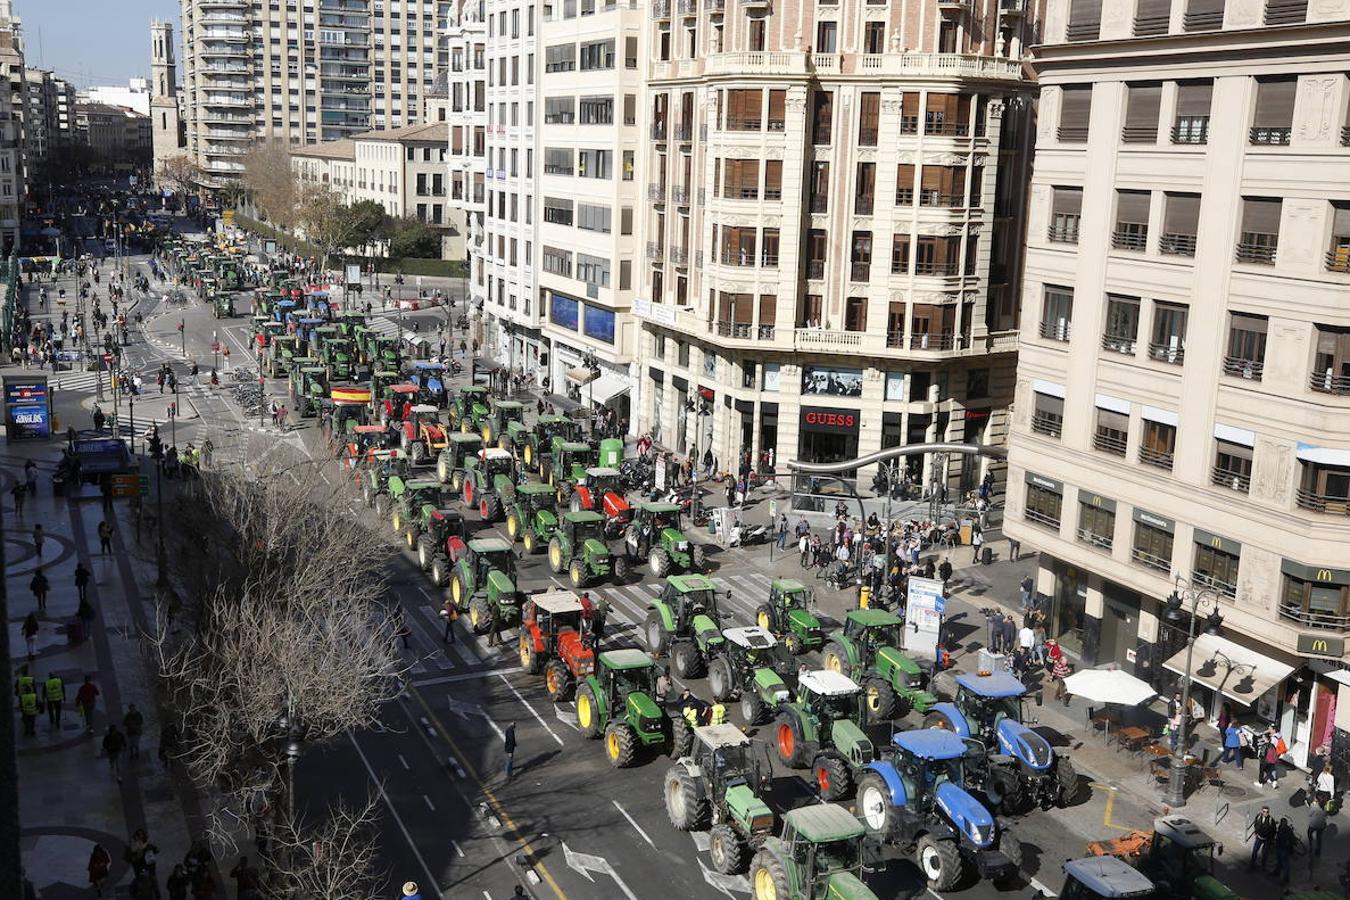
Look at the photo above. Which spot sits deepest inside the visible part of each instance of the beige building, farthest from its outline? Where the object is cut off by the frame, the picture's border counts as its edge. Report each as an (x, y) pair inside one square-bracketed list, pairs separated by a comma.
[(831, 226), (1183, 390), (12, 103), (466, 119)]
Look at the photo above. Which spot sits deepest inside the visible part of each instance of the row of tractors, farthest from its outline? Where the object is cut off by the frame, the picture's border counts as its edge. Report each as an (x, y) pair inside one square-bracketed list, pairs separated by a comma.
[(214, 271)]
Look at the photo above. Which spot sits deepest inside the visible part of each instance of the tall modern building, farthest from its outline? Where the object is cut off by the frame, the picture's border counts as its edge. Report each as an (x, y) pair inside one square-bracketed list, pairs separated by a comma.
[(12, 103), (1183, 391), (49, 122), (166, 126), (831, 226), (300, 72), (466, 115)]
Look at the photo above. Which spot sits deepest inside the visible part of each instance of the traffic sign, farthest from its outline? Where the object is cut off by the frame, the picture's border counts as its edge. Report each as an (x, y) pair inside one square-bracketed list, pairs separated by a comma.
[(128, 485)]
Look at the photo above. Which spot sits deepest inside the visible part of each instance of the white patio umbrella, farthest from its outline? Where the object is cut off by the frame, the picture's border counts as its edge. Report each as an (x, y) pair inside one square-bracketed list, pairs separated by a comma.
[(1108, 686)]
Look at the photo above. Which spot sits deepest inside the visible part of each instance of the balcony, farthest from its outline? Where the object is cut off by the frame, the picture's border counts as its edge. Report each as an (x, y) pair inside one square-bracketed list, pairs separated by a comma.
[(1274, 137), (658, 131), (815, 268), (827, 339), (939, 199), (1107, 442), (1149, 561), (1011, 8), (947, 129), (955, 7), (820, 203), (904, 196), (1322, 503), (1191, 130), (1157, 458), (895, 340), (915, 64), (738, 330), (862, 206), (1227, 478), (1257, 249), (679, 256), (1237, 367), (1173, 244), (1134, 239), (655, 251), (949, 269), (1338, 259), (684, 132), (688, 7), (715, 7), (1119, 343), (1172, 354), (656, 193), (1327, 383), (1054, 331), (768, 260), (1093, 539), (680, 195), (909, 124), (1048, 424), (860, 271), (1307, 618), (660, 9), (933, 340), (1345, 135)]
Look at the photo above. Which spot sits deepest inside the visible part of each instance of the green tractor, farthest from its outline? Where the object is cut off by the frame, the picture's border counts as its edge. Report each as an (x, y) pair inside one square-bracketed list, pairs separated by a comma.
[(867, 650), (308, 389), (485, 582), (469, 408), (440, 542), (534, 444), (618, 702), (454, 460), (685, 622), (532, 518), (497, 423), (491, 483), (1108, 878), (566, 467), (791, 615), (1178, 857), (823, 730), (408, 497), (374, 475), (750, 665), (819, 856), (718, 788), (222, 306), (654, 539), (578, 546), (280, 349)]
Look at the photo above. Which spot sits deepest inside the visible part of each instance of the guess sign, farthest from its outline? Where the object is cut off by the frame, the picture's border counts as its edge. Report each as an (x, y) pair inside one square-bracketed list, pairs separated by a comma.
[(838, 421)]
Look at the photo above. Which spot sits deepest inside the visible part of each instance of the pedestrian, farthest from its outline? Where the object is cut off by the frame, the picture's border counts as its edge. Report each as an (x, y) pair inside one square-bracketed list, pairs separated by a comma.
[(1014, 549), (82, 581), (1059, 673), (18, 492), (451, 614), (995, 626), (782, 530), (29, 707), (99, 419), (104, 537), (664, 685), (519, 894), (1026, 588), (1284, 849), (945, 573), (195, 371), (1009, 629), (39, 538), (114, 742), (509, 745), (30, 477), (133, 724), (1324, 786), (178, 884), (85, 699), (1317, 824), (976, 542), (1026, 640), (411, 891), (100, 863), (168, 744), (598, 616), (1232, 744), (55, 690), (40, 587), (30, 632)]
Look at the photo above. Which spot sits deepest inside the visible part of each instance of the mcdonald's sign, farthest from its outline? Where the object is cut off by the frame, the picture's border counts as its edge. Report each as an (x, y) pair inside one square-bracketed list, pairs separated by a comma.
[(1321, 645)]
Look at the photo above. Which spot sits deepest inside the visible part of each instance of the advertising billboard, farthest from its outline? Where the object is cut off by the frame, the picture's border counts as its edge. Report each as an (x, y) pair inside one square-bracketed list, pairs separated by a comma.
[(28, 409)]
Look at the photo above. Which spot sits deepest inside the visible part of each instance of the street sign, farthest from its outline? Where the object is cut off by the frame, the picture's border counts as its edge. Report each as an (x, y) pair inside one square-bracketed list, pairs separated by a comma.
[(127, 485)]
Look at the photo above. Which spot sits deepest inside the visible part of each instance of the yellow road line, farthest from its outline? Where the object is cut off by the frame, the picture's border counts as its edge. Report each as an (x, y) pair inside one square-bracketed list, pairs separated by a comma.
[(497, 806), (1110, 804)]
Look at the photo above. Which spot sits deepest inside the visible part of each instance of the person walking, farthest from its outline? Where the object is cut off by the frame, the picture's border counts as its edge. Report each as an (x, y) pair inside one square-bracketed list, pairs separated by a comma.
[(39, 538), (133, 724), (598, 616), (104, 537), (1324, 785), (782, 531), (82, 581), (1263, 835), (451, 614), (30, 632), (100, 863), (179, 883), (1060, 672), (945, 572), (1232, 745), (1025, 588), (28, 707), (39, 585), (1284, 849), (30, 477), (1317, 824), (18, 492), (114, 742), (85, 700), (976, 542), (509, 745), (55, 690)]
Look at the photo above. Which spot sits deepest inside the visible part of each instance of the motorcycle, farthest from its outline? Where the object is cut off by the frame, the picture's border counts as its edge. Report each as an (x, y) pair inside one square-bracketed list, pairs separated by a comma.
[(748, 537)]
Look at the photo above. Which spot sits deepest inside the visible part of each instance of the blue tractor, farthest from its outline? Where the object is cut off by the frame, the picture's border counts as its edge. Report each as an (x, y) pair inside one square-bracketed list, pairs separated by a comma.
[(1020, 769), (430, 380), (914, 797)]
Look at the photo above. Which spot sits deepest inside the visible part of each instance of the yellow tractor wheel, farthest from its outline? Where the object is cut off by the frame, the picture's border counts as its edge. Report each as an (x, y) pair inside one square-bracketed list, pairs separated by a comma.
[(512, 527), (585, 712), (762, 620)]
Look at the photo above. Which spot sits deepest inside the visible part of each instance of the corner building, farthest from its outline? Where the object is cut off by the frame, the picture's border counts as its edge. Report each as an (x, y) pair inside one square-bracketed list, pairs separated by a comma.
[(831, 231), (1183, 387)]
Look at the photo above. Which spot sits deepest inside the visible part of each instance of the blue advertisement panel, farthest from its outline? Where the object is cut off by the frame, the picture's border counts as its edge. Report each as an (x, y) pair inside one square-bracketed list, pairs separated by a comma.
[(28, 412), (599, 323), (564, 311)]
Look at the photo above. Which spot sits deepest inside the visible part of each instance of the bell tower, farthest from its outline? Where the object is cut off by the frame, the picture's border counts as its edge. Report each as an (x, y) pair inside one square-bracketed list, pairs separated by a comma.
[(164, 93)]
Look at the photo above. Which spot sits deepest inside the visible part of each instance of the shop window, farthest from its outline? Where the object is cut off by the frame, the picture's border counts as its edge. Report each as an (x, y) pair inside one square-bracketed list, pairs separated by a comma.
[(1043, 506), (1096, 522), (1152, 547), (1316, 598)]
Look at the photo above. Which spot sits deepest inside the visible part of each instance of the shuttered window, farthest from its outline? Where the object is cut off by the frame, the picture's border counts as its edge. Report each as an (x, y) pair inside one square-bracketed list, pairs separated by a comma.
[(1141, 113), (1203, 15), (1192, 122), (909, 113), (1151, 17), (1085, 20), (1066, 211), (1075, 113), (1260, 235), (1131, 220), (904, 184), (1181, 223), (1274, 116)]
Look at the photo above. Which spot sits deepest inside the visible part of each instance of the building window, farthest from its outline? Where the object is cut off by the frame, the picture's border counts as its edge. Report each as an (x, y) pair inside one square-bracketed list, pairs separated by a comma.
[(1214, 566), (1152, 546), (1191, 125), (822, 117), (1096, 521), (1260, 237), (1232, 466), (1066, 211), (904, 184), (1316, 598), (1056, 313), (1338, 255), (1203, 15), (1168, 342), (1181, 224), (1075, 114), (1273, 121), (1158, 444), (827, 37), (1246, 356), (558, 210), (1048, 416), (1085, 20), (1122, 324), (869, 114), (1324, 487), (1131, 231), (1142, 103), (1112, 432), (874, 37), (1152, 17), (1331, 360), (1044, 502)]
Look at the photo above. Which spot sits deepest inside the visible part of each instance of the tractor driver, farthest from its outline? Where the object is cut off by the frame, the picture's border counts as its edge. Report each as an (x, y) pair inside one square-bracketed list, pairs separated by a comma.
[(644, 539)]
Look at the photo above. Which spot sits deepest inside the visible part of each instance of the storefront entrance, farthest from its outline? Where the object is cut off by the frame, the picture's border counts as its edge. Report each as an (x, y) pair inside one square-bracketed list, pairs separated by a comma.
[(1068, 607), (1120, 626), (828, 435)]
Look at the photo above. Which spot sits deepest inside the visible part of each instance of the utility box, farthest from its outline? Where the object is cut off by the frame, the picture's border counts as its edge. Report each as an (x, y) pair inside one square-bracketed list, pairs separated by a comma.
[(611, 453)]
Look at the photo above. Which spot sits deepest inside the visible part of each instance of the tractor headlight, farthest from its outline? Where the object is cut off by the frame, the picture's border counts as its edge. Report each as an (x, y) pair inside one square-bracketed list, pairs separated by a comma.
[(649, 723)]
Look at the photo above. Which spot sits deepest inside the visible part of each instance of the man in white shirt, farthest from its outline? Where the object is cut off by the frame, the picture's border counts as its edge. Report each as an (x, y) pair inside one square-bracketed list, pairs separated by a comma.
[(1026, 638)]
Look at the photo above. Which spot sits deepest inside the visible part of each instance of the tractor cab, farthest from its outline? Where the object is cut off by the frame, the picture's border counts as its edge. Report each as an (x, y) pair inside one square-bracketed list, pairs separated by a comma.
[(1105, 878), (492, 461), (1181, 856), (487, 554), (532, 498), (423, 492), (430, 380), (470, 406), (755, 647), (398, 401), (873, 629), (926, 759), (580, 527), (362, 439), (789, 594), (381, 380), (824, 844), (726, 757), (831, 697), (551, 613), (461, 452), (689, 596), (571, 459), (657, 516), (990, 698), (625, 672), (538, 443), (498, 422)]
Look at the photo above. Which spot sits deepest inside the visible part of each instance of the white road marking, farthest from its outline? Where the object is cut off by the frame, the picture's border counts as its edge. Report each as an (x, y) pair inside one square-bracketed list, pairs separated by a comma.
[(1040, 887), (431, 879), (404, 762), (427, 800), (458, 851), (538, 718), (585, 863), (636, 826), (701, 840)]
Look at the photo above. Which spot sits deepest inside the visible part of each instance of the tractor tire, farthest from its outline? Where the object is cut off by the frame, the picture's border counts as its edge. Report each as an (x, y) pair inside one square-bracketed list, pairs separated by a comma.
[(396, 520), (487, 435), (442, 470), (564, 493), (504, 443), (1067, 776), (426, 553), (1011, 847), (880, 698), (512, 527), (528, 456), (681, 738), (658, 561), (465, 426), (765, 618), (790, 743), (726, 850), (753, 709), (719, 679), (620, 745), (381, 505), (410, 537), (588, 712), (577, 574), (558, 681), (468, 494), (769, 877), (458, 592), (793, 644), (686, 660), (530, 541), (835, 658), (655, 632), (832, 778), (623, 569), (686, 800), (555, 556), (939, 861), (875, 809), (481, 616), (440, 570), (529, 660), (698, 558), (1003, 790), (489, 508), (456, 481), (417, 452)]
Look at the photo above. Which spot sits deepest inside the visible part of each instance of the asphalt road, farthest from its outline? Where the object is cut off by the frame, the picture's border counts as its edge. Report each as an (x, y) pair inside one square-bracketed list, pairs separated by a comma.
[(567, 825)]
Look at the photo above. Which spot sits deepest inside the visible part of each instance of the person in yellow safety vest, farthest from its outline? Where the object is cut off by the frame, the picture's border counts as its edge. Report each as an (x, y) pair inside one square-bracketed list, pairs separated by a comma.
[(28, 707), (719, 714), (56, 696), (690, 714), (25, 683)]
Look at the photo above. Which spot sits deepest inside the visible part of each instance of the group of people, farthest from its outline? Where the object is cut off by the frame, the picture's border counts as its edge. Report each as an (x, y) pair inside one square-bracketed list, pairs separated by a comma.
[(194, 876)]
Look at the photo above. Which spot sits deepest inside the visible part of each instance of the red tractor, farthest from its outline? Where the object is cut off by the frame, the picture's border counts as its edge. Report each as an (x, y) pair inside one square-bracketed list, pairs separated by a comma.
[(603, 488), (440, 543), (422, 434), (554, 640), (397, 403)]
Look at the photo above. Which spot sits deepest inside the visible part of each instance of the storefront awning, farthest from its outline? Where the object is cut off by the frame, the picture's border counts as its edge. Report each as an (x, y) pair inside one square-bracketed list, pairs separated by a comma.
[(605, 388), (1235, 671), (581, 375)]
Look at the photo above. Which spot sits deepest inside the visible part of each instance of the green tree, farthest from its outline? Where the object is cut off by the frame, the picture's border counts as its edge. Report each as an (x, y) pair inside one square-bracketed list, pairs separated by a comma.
[(325, 220), (232, 193), (368, 222), (415, 240)]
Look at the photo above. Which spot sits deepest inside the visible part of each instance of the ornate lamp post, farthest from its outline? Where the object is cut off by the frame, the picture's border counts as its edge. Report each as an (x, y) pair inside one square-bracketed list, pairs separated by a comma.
[(1188, 601)]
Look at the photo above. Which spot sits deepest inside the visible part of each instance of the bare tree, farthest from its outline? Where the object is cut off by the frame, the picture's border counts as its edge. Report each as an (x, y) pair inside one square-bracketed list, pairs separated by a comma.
[(327, 222), (334, 859), (181, 172), (271, 183)]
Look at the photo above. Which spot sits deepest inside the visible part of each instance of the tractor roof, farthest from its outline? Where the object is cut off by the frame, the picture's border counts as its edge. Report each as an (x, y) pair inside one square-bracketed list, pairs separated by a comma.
[(1109, 877), (574, 446), (452, 515), (386, 373), (391, 453), (686, 583), (552, 420), (995, 684), (828, 683), (312, 370), (425, 409), (583, 516), (488, 545), (557, 601), (424, 484), (931, 743), (750, 636), (1183, 831), (648, 506), (505, 405), (602, 472), (496, 453), (476, 390), (427, 366), (873, 618), (530, 489), (629, 658), (404, 388), (788, 585), (823, 822), (369, 429), (719, 736), (460, 437)]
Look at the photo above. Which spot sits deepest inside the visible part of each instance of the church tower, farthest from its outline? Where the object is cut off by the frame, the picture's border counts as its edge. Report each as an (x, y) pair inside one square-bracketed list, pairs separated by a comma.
[(164, 93)]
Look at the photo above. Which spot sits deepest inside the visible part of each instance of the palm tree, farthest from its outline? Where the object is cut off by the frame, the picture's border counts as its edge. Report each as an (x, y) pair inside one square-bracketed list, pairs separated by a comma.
[(233, 193)]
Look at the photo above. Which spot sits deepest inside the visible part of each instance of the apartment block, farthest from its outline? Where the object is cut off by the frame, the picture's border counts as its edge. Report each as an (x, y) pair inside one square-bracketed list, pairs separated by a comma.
[(466, 120), (300, 72), (49, 124), (1183, 390), (831, 227), (12, 103)]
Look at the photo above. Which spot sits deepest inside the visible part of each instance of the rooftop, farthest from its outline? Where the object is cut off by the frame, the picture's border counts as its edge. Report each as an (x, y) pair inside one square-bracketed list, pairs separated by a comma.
[(725, 735), (557, 601), (995, 684), (823, 822), (827, 683), (343, 149), (751, 636), (628, 658)]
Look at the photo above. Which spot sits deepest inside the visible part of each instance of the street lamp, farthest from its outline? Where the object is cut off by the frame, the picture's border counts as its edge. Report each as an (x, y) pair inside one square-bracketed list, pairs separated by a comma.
[(1187, 601)]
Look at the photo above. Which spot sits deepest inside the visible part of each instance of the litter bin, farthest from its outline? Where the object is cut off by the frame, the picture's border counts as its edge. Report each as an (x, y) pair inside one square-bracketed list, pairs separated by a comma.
[(58, 486), (611, 453), (987, 555)]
